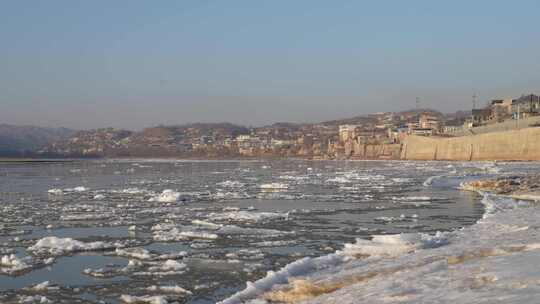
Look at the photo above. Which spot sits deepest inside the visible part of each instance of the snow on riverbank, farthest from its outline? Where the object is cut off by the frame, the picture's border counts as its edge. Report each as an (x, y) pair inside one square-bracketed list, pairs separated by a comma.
[(493, 261)]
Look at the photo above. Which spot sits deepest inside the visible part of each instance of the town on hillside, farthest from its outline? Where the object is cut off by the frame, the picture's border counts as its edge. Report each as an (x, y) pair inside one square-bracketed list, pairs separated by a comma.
[(373, 136)]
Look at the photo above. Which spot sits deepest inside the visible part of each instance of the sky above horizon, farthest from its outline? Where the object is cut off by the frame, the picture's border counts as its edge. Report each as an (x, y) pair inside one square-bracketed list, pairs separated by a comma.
[(133, 64)]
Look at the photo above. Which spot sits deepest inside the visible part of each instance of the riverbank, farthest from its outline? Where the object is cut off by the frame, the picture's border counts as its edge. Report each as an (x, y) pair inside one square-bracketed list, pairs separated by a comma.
[(488, 262)]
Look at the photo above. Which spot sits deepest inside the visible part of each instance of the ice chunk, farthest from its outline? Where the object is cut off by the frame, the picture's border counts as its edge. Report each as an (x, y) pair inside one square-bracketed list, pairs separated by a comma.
[(55, 192), (167, 196), (248, 216), (135, 253), (274, 186), (206, 224), (395, 244), (338, 180), (230, 184), (34, 300), (58, 246), (10, 264), (144, 299), (169, 289), (176, 234), (77, 189), (44, 286), (167, 268), (260, 232)]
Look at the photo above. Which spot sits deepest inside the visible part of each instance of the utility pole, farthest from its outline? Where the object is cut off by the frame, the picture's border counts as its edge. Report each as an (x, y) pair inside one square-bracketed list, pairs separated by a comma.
[(474, 100), (417, 103)]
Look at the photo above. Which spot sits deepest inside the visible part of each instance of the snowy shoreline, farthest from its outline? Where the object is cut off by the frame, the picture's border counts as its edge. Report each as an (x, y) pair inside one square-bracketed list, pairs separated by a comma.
[(488, 262)]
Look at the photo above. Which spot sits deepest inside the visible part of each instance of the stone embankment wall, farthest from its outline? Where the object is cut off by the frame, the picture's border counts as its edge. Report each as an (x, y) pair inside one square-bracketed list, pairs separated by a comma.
[(382, 151), (521, 144)]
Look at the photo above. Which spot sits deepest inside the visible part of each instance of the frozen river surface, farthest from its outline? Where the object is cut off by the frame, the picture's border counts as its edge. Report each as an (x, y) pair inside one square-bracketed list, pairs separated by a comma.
[(197, 231)]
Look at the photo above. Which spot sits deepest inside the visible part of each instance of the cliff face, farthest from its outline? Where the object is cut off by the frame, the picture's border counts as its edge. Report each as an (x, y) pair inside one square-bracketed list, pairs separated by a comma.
[(521, 144)]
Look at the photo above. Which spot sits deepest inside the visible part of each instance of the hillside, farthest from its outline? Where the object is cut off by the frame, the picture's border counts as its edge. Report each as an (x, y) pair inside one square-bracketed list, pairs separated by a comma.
[(18, 139)]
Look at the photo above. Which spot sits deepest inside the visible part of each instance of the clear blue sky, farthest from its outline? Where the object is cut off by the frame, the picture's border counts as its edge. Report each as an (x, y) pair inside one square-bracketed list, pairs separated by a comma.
[(85, 64)]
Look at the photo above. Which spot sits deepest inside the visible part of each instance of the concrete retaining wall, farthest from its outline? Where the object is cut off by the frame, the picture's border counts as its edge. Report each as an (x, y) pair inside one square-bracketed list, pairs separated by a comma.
[(383, 151), (521, 144)]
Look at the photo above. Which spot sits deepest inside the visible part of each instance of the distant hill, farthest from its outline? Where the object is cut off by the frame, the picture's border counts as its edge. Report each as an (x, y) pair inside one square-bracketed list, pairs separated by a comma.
[(207, 128), (414, 112), (15, 140), (357, 120)]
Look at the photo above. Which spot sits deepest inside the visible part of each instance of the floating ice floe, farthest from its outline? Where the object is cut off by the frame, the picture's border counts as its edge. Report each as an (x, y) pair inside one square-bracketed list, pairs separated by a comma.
[(59, 246), (248, 216), (85, 216), (414, 200), (77, 189), (401, 179), (338, 180), (144, 299), (134, 253), (294, 177), (230, 184), (55, 192), (246, 254), (167, 196), (395, 244), (37, 299), (429, 181), (401, 218), (169, 289), (11, 264), (236, 230), (167, 268), (133, 191), (176, 234), (274, 243), (274, 186), (44, 286), (206, 224), (256, 232), (229, 195)]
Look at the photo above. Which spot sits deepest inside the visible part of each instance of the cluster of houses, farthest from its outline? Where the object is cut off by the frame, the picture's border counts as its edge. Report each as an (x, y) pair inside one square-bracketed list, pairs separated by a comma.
[(336, 139), (500, 110)]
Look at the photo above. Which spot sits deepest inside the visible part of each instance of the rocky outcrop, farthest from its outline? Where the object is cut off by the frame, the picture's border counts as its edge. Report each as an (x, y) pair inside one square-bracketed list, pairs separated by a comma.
[(519, 187)]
